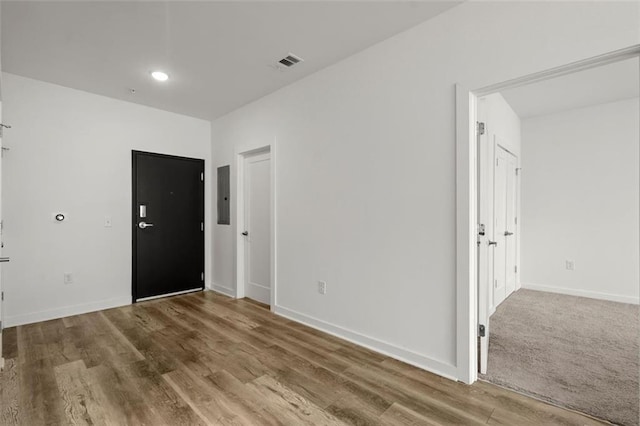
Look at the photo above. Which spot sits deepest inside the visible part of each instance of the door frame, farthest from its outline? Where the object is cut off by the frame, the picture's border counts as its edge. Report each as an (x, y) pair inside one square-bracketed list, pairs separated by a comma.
[(240, 155), (134, 221), (466, 200)]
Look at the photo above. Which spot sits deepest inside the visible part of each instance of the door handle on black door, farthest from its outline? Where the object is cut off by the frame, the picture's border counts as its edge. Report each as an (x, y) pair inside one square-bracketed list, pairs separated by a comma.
[(245, 233), (143, 225)]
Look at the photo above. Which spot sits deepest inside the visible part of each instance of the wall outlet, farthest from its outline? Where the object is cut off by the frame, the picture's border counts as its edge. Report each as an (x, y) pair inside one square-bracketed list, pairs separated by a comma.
[(570, 265), (68, 278), (322, 287), (107, 221)]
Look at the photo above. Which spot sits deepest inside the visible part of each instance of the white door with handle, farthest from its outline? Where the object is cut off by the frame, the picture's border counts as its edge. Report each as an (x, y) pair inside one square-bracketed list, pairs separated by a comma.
[(504, 235), (2, 260), (497, 244), (257, 222), (485, 245)]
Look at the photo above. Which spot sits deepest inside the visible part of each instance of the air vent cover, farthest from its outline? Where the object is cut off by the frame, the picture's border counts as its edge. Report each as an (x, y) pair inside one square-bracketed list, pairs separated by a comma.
[(290, 60)]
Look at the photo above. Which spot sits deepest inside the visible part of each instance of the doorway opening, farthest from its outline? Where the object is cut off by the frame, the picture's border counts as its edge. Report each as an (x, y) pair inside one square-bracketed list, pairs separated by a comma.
[(168, 225), (255, 216), (550, 182)]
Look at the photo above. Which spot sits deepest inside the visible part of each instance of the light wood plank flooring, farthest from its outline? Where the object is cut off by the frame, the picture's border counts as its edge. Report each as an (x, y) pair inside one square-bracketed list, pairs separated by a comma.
[(203, 359)]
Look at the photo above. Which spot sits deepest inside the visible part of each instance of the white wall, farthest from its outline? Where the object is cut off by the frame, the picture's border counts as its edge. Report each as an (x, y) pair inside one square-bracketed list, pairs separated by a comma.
[(501, 121), (580, 189), (365, 167), (71, 152)]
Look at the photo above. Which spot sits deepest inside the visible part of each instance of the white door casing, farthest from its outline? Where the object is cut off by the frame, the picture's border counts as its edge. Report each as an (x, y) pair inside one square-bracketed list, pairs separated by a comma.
[(510, 231), (257, 220)]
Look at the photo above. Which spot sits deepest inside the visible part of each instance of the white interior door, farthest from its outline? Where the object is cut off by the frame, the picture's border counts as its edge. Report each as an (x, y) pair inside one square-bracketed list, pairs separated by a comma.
[(505, 252), (1, 298), (499, 224), (485, 254), (257, 233)]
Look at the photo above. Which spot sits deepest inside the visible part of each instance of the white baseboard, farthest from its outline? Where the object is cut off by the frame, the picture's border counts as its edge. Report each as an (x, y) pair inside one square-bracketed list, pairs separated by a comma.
[(66, 311), (583, 293), (257, 292), (223, 290), (437, 367)]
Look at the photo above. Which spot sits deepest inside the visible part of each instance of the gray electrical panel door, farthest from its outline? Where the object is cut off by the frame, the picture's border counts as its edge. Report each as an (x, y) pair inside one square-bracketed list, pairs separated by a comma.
[(224, 194)]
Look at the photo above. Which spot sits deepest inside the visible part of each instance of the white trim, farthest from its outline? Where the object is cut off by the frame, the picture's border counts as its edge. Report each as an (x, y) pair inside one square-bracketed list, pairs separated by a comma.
[(258, 292), (573, 67), (466, 248), (437, 367), (240, 155), (223, 290), (466, 193), (175, 293), (67, 311), (274, 235), (583, 293)]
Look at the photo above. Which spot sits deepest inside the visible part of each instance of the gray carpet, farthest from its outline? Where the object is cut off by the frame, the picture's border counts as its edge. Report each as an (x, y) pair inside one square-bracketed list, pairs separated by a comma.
[(572, 351)]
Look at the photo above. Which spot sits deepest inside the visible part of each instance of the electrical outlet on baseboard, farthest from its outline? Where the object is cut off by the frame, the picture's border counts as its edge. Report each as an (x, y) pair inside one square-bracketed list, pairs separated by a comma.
[(322, 287)]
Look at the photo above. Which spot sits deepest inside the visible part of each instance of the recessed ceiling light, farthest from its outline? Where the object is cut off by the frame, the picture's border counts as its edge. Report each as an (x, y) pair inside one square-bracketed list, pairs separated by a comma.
[(160, 75)]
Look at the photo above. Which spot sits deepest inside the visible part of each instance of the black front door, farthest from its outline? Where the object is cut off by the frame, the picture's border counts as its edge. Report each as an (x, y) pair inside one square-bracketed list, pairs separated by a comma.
[(168, 224)]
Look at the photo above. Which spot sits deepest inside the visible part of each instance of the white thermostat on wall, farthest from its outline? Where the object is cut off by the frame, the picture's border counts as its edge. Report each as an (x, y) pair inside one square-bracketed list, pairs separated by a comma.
[(59, 217)]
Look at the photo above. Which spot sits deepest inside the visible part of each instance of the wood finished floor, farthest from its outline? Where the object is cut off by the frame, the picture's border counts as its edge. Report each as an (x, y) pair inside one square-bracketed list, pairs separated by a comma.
[(206, 359)]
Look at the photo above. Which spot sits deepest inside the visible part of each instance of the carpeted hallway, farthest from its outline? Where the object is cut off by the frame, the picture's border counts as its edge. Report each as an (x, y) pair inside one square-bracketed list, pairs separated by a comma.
[(572, 351)]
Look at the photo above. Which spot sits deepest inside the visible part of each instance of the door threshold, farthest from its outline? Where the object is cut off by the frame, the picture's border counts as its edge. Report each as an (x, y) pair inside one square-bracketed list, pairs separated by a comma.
[(144, 299)]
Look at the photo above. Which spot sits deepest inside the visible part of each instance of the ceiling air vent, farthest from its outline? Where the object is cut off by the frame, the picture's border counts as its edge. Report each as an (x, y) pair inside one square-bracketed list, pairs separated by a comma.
[(289, 61)]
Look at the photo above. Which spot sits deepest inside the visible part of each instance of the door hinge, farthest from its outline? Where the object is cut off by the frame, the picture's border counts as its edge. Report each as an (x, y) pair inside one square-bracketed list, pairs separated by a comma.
[(202, 177), (518, 171), (202, 226), (515, 269), (202, 276), (481, 128), (481, 330), (516, 220), (2, 296)]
